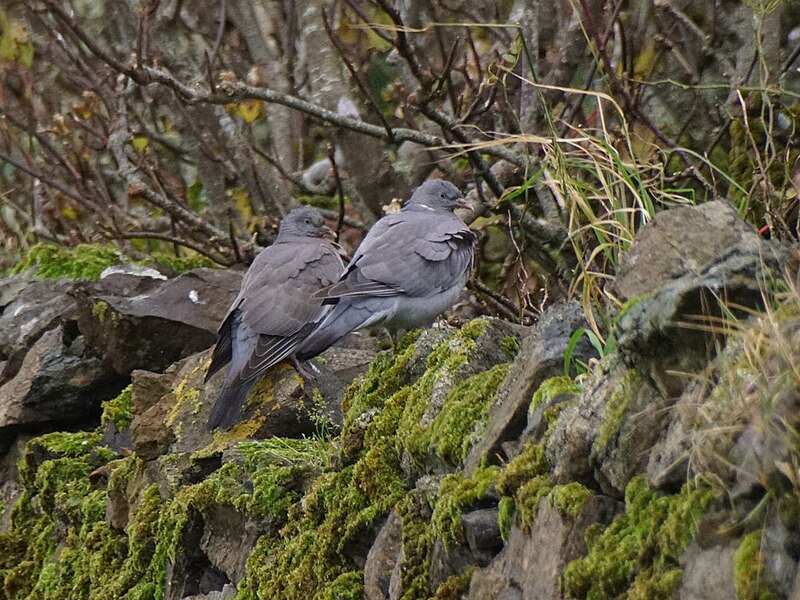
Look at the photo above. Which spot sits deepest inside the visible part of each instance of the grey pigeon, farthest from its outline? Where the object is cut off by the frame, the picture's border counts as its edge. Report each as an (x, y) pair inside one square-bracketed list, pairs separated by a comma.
[(411, 266), (274, 311)]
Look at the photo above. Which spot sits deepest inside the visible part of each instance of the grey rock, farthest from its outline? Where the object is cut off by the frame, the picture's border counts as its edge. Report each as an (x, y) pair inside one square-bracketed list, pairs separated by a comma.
[(625, 454), (681, 241), (779, 550), (708, 572), (541, 356), (384, 555), (151, 401), (680, 270), (229, 538), (530, 563), (10, 486), (483, 542), (58, 384), (161, 324), (30, 307)]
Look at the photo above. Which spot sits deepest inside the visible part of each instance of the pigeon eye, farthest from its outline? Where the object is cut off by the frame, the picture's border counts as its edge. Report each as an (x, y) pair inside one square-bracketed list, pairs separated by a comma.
[(441, 195), (308, 221)]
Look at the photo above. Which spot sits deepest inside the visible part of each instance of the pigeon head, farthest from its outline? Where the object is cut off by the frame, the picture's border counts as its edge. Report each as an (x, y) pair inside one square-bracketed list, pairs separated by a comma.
[(437, 194), (304, 222)]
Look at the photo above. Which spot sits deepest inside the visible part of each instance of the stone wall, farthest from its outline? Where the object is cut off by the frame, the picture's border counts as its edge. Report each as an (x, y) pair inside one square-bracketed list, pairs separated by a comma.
[(463, 463)]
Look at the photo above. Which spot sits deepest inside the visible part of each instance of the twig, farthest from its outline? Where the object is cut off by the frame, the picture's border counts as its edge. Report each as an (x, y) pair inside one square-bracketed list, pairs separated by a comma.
[(617, 86), (135, 235), (339, 190), (374, 27), (220, 31), (48, 182)]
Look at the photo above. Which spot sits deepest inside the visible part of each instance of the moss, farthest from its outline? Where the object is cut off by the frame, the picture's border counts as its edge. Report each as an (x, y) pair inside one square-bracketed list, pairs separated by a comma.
[(319, 201), (529, 496), (456, 586), (59, 444), (100, 310), (638, 554), (343, 506), (510, 345), (748, 569), (84, 261), (462, 419), (88, 261), (457, 495), (417, 545), (118, 410), (61, 514), (616, 409), (179, 264), (506, 509), (529, 463), (569, 499), (552, 388), (347, 586)]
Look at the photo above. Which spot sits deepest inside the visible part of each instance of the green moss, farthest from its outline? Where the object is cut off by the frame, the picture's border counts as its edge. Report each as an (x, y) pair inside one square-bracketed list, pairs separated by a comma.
[(417, 545), (748, 569), (569, 499), (616, 409), (457, 495), (347, 586), (118, 410), (61, 514), (529, 463), (456, 586), (84, 261), (552, 388), (179, 264), (638, 554), (529, 496), (506, 509), (88, 261), (510, 345), (100, 310), (65, 444), (320, 201), (462, 419)]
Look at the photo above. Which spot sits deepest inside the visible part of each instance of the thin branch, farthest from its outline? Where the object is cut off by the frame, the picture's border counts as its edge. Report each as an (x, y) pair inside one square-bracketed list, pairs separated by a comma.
[(373, 26), (151, 235), (220, 31), (339, 191), (48, 182)]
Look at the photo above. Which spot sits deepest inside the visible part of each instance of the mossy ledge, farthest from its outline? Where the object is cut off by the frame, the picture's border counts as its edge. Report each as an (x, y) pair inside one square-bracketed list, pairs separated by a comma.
[(88, 261), (410, 421)]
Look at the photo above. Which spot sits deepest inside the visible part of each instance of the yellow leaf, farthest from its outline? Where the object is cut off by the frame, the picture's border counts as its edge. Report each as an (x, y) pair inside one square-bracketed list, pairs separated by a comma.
[(241, 200), (482, 222), (140, 143), (86, 108), (249, 110), (69, 212), (15, 42)]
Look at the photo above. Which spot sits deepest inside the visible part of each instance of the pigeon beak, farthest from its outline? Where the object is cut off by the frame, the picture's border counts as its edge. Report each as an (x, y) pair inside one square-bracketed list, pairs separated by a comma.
[(328, 233), (462, 203)]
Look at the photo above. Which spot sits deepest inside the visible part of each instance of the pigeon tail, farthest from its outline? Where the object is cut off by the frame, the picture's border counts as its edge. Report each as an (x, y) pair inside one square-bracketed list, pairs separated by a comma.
[(344, 318), (230, 401)]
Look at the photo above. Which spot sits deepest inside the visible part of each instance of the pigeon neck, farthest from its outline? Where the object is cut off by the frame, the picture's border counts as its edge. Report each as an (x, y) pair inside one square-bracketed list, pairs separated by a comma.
[(421, 207)]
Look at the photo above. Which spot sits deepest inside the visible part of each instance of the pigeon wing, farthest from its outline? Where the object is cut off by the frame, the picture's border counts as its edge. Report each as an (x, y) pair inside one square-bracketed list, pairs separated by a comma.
[(414, 253), (276, 302)]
